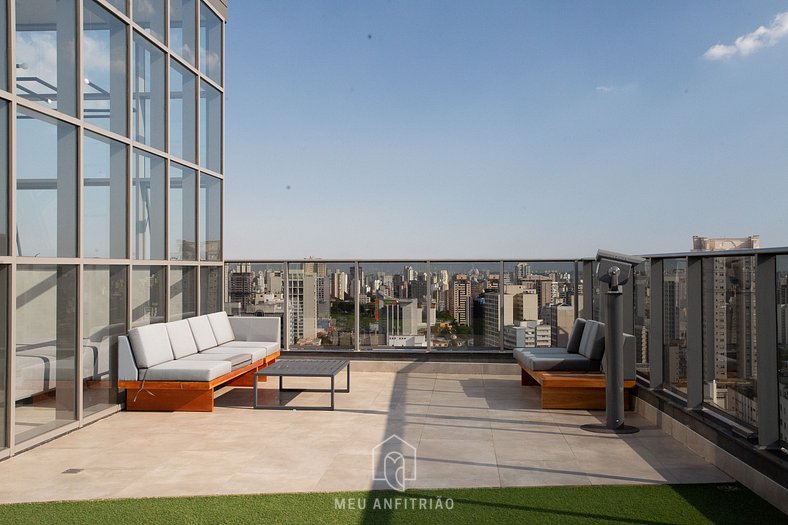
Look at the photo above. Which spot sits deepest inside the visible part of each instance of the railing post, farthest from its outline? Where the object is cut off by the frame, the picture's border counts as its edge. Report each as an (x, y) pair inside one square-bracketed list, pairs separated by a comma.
[(694, 332), (655, 340), (429, 307), (357, 310), (575, 287), (501, 308), (766, 337), (286, 315)]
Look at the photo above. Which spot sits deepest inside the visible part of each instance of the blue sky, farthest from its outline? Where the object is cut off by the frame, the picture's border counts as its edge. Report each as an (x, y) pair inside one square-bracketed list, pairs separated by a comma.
[(439, 129)]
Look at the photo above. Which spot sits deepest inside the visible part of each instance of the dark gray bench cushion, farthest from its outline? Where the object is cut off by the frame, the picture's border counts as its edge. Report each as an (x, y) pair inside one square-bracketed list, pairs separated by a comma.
[(560, 362), (592, 344), (185, 370), (573, 345)]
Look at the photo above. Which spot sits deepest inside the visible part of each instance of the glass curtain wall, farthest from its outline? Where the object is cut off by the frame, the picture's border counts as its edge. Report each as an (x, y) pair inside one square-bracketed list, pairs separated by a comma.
[(148, 94), (210, 44), (211, 299), (4, 281), (183, 33), (210, 218), (149, 15), (149, 293), (183, 112), (183, 292), (183, 213), (674, 288), (782, 345), (104, 195), (148, 206), (642, 315)]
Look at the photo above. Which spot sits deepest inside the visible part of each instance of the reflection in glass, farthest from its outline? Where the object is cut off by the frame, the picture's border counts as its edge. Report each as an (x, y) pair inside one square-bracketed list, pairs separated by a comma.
[(45, 51), (149, 14), (729, 350), (148, 206), (46, 183), (4, 44), (120, 5), (782, 345), (3, 177), (46, 320), (104, 63), (538, 305), (183, 292), (183, 216), (674, 288), (4, 271), (105, 197), (210, 128), (210, 289), (210, 44), (103, 320), (148, 93), (642, 318), (183, 112), (210, 218), (183, 36), (149, 295)]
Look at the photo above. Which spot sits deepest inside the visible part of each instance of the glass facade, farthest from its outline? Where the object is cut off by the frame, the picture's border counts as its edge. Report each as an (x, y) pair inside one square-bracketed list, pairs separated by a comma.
[(102, 217), (782, 345), (642, 316)]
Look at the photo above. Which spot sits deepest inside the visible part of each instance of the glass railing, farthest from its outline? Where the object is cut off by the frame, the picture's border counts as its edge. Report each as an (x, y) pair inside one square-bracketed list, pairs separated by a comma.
[(701, 345)]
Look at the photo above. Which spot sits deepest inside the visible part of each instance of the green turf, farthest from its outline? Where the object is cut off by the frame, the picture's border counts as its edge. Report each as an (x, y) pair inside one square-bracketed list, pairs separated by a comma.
[(655, 504)]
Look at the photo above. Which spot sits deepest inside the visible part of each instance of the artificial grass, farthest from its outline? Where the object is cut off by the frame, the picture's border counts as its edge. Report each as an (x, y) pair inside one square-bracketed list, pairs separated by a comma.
[(646, 505)]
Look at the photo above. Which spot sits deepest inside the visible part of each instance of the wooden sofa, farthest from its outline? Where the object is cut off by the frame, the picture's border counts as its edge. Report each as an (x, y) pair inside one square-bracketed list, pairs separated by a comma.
[(177, 366), (573, 377)]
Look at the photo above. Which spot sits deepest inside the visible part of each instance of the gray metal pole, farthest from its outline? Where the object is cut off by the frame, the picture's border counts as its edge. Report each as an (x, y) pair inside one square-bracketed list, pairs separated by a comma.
[(614, 353)]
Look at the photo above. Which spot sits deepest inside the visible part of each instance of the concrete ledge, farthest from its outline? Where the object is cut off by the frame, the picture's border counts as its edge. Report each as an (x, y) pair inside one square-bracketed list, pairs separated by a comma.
[(762, 485)]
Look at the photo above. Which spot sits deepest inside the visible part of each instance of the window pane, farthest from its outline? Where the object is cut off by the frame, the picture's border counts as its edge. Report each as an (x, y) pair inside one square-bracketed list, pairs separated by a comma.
[(4, 270), (149, 14), (105, 197), (183, 112), (148, 206), (729, 351), (120, 5), (210, 290), (210, 218), (45, 50), (148, 93), (183, 292), (46, 320), (210, 44), (183, 36), (675, 325), (4, 44), (46, 183), (148, 295), (183, 215), (104, 62), (782, 345), (210, 128), (3, 177), (103, 320)]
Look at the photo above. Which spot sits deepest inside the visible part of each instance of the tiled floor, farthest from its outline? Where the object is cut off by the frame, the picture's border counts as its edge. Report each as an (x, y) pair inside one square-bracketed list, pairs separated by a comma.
[(470, 430)]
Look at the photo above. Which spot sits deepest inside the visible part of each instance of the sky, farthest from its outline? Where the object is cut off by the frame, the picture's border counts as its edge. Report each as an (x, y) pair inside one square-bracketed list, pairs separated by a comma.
[(431, 129)]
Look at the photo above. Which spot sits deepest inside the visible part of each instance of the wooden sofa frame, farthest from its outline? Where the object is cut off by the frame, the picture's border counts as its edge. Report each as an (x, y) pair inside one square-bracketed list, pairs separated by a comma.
[(573, 390), (190, 396)]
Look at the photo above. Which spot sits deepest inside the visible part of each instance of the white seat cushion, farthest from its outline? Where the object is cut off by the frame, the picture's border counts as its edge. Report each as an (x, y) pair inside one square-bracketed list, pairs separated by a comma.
[(255, 354), (151, 345), (186, 370), (181, 339), (221, 327), (236, 360), (201, 330), (270, 347)]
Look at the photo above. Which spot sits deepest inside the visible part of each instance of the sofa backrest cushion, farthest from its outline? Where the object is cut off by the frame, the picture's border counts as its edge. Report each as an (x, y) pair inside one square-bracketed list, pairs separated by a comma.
[(573, 346), (201, 330), (151, 345), (181, 338), (221, 327), (592, 344)]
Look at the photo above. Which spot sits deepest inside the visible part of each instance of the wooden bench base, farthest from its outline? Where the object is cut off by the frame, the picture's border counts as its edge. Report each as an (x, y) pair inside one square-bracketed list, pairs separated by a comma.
[(573, 390), (185, 396)]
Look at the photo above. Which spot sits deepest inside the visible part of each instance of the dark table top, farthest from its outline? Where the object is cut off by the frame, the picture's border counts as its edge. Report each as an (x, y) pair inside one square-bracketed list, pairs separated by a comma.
[(304, 367)]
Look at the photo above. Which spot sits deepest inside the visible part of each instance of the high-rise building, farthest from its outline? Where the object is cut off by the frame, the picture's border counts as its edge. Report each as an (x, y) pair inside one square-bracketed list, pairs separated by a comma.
[(302, 302), (112, 174), (459, 297)]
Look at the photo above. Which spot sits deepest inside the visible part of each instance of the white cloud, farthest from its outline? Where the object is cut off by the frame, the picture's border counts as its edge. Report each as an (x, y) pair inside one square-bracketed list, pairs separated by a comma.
[(752, 42), (604, 89)]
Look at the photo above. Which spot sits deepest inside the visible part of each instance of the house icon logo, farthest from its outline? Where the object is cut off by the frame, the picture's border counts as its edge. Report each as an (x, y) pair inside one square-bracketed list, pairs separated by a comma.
[(394, 461)]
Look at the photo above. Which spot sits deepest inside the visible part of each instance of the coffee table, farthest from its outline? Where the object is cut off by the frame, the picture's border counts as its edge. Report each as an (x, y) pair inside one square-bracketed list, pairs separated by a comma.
[(304, 368)]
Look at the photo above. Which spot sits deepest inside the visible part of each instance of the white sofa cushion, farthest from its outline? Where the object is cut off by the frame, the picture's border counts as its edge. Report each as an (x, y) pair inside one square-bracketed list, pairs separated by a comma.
[(186, 370), (151, 345), (201, 330), (221, 327), (255, 354), (270, 347), (181, 339)]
